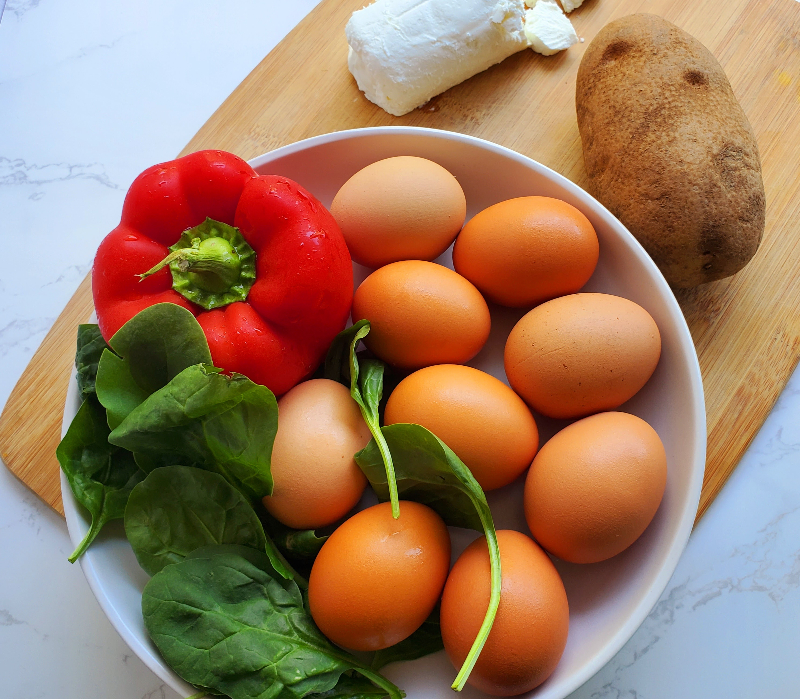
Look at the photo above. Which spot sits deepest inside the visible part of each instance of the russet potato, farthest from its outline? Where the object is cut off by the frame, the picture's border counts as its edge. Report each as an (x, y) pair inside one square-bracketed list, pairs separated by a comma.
[(669, 150)]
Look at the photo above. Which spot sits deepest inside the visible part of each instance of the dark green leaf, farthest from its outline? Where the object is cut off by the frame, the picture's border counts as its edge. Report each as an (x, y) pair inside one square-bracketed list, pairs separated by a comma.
[(296, 544), (337, 361), (425, 640), (370, 385), (351, 687), (90, 346), (100, 475), (428, 472), (224, 619), (148, 352), (178, 509), (202, 418)]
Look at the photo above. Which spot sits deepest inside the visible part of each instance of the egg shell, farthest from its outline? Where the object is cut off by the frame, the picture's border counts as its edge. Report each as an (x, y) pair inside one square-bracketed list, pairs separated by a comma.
[(480, 418), (376, 579), (421, 313), (523, 251), (595, 486), (400, 208), (581, 354), (530, 630), (317, 481)]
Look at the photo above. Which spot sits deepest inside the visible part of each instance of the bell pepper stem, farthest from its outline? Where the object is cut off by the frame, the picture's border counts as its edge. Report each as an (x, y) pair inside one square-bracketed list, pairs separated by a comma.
[(213, 261)]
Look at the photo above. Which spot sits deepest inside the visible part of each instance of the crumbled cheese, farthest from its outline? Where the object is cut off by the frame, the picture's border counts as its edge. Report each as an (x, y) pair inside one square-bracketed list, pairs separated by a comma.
[(547, 28), (570, 5)]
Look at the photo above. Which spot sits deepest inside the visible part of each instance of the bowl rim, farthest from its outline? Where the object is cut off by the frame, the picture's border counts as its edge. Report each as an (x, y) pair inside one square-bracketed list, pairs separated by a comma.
[(685, 344)]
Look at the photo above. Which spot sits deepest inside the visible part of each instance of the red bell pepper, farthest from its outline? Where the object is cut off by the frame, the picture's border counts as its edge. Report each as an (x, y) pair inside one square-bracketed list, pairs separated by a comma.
[(270, 298)]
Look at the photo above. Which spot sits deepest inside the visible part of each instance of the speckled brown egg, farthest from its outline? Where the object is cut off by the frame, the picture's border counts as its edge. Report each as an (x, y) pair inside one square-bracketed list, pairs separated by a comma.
[(595, 486), (401, 208), (480, 418), (581, 354), (421, 313)]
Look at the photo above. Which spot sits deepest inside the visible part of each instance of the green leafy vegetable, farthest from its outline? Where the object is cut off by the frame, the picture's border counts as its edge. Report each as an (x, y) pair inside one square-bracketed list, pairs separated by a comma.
[(366, 387), (100, 475), (428, 471), (425, 640), (351, 687), (297, 544), (205, 419), (225, 620), (90, 346), (178, 509), (148, 352)]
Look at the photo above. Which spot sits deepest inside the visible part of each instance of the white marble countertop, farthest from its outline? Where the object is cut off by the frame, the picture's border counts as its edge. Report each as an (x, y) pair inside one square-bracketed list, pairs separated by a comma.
[(93, 92)]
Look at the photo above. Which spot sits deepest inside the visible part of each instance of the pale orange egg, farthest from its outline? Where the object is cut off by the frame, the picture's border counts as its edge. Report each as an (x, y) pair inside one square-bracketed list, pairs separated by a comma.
[(421, 313), (581, 354), (317, 481), (401, 208), (595, 486), (376, 579), (530, 630), (527, 250), (480, 418)]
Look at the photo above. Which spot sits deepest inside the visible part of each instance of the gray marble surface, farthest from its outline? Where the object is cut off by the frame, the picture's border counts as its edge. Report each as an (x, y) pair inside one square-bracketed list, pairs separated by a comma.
[(91, 93)]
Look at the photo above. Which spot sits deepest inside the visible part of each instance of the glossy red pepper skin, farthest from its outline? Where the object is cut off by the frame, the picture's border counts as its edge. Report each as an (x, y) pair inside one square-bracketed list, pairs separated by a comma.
[(304, 278)]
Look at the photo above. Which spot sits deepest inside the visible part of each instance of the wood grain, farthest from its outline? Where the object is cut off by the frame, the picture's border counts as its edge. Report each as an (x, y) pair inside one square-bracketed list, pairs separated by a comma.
[(746, 329)]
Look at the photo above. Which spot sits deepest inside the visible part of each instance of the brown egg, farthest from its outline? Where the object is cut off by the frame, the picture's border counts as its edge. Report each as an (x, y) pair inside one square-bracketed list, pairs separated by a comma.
[(582, 353), (482, 420), (530, 629), (524, 251), (317, 481), (595, 486), (376, 579), (421, 313), (401, 208)]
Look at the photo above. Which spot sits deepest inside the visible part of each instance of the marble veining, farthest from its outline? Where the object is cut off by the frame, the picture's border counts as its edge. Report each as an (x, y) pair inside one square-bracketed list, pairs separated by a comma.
[(18, 172)]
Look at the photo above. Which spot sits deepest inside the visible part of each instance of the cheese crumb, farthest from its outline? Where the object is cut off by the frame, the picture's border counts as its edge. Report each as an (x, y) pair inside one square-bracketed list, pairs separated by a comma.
[(570, 5), (547, 28)]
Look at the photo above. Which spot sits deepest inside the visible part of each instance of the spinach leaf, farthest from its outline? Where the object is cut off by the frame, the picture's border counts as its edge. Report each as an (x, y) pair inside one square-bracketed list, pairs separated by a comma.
[(148, 352), (297, 544), (425, 640), (225, 620), (366, 387), (351, 687), (178, 509), (90, 346), (429, 472), (100, 475), (202, 418)]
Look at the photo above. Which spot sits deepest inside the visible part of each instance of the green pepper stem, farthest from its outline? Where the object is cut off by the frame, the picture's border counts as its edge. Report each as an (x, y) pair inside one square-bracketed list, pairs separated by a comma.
[(213, 261), (494, 603)]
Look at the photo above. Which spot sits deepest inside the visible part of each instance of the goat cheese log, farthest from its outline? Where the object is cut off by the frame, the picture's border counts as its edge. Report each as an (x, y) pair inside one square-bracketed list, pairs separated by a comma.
[(403, 52)]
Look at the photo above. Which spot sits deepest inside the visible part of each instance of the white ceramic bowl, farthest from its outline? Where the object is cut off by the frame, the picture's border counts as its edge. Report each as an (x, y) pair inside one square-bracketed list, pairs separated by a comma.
[(609, 600)]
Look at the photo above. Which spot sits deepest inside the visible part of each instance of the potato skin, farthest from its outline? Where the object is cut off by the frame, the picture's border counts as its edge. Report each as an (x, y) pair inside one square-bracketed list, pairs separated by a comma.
[(668, 149)]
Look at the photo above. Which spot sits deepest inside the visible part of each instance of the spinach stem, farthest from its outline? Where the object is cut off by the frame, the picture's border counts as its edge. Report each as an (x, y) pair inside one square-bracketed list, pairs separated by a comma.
[(94, 530), (391, 479), (494, 602), (371, 416), (379, 680)]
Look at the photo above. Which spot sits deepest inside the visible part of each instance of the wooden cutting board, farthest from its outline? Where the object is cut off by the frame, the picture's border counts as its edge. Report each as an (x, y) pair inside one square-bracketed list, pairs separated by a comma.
[(746, 329)]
